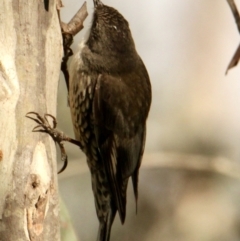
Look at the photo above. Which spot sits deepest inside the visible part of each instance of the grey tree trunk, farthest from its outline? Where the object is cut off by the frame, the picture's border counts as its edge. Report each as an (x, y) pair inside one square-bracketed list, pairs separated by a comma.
[(30, 58)]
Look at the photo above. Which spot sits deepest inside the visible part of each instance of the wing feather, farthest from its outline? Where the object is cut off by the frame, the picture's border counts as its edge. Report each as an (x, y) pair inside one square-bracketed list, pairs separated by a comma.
[(120, 136)]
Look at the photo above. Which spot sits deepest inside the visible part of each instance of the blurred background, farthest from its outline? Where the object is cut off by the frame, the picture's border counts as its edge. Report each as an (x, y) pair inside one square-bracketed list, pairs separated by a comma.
[(189, 180)]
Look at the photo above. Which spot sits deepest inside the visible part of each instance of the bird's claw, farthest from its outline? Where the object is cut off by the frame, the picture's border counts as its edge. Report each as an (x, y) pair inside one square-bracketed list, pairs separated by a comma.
[(45, 127), (42, 122)]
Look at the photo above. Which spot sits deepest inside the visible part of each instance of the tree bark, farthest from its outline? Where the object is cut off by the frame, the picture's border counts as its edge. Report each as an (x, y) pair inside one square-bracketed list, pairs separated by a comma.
[(30, 58)]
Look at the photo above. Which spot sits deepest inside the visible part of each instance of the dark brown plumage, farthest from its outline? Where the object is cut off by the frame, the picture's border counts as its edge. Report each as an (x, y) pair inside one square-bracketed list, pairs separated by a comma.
[(110, 97)]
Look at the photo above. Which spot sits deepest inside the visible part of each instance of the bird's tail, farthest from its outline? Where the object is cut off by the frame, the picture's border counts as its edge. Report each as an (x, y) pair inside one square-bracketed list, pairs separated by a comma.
[(104, 230)]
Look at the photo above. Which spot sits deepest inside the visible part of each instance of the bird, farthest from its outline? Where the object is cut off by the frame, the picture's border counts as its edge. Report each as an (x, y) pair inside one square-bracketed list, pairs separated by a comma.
[(110, 98)]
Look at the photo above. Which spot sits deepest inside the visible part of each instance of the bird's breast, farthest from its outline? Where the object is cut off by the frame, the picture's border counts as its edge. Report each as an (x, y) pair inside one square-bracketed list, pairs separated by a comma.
[(81, 91)]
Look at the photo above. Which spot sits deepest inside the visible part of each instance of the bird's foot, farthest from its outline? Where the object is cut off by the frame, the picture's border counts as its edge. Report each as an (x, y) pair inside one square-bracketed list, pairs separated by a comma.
[(58, 136)]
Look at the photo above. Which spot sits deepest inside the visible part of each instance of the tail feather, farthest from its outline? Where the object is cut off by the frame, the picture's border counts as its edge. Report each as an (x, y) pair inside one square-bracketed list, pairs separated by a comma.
[(135, 186), (104, 230)]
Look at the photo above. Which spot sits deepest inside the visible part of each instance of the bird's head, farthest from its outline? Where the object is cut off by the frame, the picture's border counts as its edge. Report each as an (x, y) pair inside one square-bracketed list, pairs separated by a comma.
[(109, 31)]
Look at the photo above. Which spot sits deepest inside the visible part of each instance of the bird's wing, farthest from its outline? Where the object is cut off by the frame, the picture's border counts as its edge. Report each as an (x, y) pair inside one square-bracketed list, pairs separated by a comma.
[(120, 132)]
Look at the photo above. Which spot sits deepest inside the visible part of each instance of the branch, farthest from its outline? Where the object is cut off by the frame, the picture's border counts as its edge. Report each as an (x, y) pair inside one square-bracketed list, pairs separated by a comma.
[(75, 25), (235, 13), (69, 30), (236, 56), (212, 164)]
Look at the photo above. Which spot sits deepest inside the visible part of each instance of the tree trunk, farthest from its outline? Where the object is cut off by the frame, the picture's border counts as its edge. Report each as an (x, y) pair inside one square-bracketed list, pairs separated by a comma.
[(30, 58)]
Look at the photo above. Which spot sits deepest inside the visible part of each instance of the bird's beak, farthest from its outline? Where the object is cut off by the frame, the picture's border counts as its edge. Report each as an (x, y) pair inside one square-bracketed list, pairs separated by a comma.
[(97, 3)]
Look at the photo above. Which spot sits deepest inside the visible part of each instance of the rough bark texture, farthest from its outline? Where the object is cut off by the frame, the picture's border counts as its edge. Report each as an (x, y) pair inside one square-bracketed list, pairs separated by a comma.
[(30, 57)]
